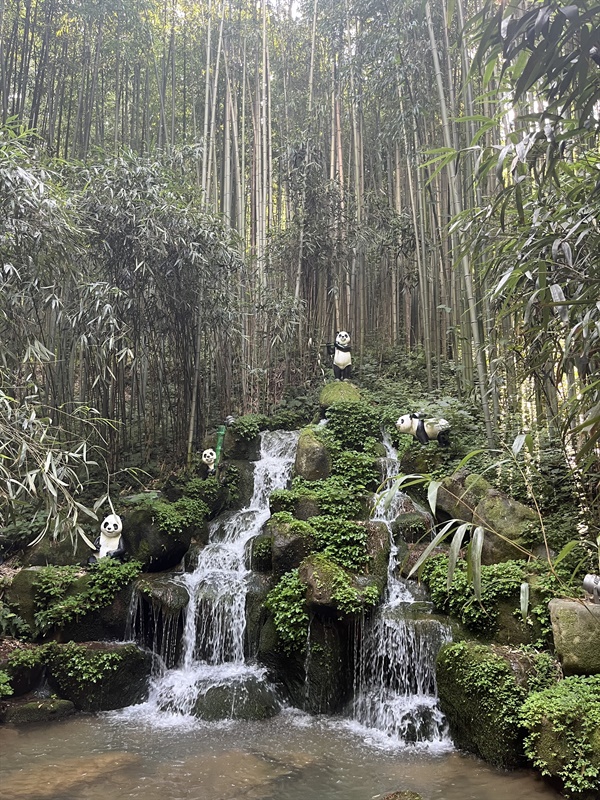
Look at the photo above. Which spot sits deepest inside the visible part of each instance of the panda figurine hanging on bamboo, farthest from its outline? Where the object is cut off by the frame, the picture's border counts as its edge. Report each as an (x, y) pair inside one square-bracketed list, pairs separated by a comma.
[(342, 359), (425, 430), (110, 542), (209, 457)]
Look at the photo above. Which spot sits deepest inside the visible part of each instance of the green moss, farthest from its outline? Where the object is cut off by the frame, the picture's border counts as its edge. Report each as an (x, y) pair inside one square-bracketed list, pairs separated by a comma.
[(358, 470), (563, 732), (339, 392)]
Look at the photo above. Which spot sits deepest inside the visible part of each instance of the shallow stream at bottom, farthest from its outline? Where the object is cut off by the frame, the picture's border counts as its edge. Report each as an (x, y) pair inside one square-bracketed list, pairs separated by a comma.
[(293, 756)]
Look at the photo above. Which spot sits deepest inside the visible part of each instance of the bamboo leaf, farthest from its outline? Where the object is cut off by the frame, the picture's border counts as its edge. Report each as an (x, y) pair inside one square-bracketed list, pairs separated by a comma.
[(476, 547), (454, 551), (524, 599), (432, 492), (439, 537)]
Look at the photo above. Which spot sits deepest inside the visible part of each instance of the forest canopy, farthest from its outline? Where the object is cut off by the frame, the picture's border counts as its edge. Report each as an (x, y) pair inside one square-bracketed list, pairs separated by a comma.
[(194, 197)]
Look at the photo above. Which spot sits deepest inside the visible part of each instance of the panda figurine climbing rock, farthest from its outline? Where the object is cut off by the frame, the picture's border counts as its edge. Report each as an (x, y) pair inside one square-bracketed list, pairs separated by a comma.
[(425, 430), (110, 542), (342, 359), (209, 457)]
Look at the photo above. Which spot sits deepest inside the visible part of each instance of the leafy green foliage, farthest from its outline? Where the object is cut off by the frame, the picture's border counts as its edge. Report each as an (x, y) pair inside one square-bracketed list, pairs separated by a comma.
[(183, 513), (332, 495), (332, 576), (81, 664), (498, 582), (287, 603), (249, 426), (55, 606), (341, 541), (11, 624), (571, 711), (357, 470), (354, 425), (5, 688)]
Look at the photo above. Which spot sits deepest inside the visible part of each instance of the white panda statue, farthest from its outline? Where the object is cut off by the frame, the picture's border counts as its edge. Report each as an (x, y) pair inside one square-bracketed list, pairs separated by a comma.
[(209, 457), (110, 542), (342, 359), (425, 430)]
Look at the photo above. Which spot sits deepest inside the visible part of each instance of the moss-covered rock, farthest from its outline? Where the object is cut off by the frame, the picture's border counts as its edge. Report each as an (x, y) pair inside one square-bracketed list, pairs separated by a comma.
[(332, 589), (460, 494), (154, 547), (256, 613), (261, 558), (20, 594), (59, 552), (339, 392), (313, 460), (481, 690), (248, 697), (24, 665), (99, 676), (328, 682), (163, 592), (505, 522), (33, 709), (563, 734), (291, 543), (576, 632), (412, 526)]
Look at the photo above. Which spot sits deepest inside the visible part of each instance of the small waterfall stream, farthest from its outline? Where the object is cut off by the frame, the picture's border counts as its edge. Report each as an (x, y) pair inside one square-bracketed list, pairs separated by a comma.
[(395, 689), (213, 636)]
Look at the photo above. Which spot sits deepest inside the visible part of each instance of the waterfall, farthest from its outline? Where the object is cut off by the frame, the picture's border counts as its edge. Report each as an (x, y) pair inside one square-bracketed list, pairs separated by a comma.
[(214, 629), (395, 689)]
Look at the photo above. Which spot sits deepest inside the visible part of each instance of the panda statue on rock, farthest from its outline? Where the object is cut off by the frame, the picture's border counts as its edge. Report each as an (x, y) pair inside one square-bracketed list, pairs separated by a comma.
[(342, 359), (209, 457), (110, 542), (425, 430)]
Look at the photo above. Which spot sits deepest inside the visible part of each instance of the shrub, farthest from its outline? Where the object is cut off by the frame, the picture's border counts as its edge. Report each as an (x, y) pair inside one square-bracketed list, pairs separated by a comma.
[(287, 603)]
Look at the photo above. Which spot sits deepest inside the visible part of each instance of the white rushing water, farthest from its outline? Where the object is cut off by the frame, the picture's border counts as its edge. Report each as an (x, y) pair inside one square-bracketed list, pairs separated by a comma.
[(395, 688), (213, 636)]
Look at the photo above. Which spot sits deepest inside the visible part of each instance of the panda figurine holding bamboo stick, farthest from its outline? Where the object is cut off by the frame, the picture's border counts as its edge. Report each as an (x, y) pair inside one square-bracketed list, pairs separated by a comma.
[(342, 360), (425, 430)]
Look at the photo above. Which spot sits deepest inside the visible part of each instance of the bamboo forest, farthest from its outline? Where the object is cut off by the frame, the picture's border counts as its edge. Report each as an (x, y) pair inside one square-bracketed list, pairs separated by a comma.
[(300, 399)]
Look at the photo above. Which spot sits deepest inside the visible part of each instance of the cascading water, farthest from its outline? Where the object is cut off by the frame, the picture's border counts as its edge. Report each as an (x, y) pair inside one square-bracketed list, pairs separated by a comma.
[(395, 689), (213, 637)]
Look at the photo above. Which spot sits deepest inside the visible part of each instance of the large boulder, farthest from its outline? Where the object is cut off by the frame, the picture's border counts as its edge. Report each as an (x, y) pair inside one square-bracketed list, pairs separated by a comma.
[(156, 549), (576, 632), (333, 591), (460, 493), (563, 734), (505, 521), (99, 676), (34, 709), (339, 392), (481, 690), (313, 460), (291, 543)]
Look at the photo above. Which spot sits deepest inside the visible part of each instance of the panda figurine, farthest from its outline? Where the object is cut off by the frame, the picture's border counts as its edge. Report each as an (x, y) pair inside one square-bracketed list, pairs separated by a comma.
[(110, 542), (342, 359), (209, 457), (425, 430)]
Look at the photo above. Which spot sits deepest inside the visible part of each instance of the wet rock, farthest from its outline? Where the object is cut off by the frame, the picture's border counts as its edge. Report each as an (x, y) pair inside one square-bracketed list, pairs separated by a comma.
[(99, 676), (412, 527), (256, 613), (163, 592), (576, 632), (313, 460), (244, 482), (236, 448), (41, 710), (328, 681), (59, 552), (261, 559), (19, 595), (291, 544), (248, 698), (403, 796), (330, 589)]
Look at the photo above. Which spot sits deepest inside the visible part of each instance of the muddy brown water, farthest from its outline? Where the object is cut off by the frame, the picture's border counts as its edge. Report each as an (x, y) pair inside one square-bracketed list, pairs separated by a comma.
[(291, 757)]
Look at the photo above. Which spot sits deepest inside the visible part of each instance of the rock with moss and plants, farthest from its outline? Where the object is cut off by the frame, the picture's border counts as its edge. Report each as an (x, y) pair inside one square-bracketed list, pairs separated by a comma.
[(242, 440), (29, 709), (23, 666), (562, 725), (158, 533), (247, 698), (332, 589), (576, 633), (481, 690), (292, 540), (328, 676), (71, 602), (411, 527), (99, 676), (313, 459), (339, 392)]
